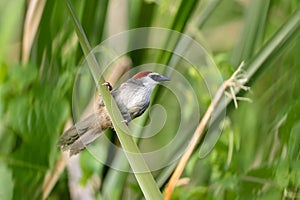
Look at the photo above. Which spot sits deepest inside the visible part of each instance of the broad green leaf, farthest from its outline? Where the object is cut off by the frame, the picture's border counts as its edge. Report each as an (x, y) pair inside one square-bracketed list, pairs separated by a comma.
[(286, 130), (33, 119)]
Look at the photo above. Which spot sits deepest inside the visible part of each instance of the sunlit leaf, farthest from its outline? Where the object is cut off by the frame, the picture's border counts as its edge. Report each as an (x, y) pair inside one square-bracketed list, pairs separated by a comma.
[(6, 182)]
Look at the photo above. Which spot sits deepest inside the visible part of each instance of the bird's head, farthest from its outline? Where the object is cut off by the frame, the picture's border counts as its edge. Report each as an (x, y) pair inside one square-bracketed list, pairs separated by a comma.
[(150, 78)]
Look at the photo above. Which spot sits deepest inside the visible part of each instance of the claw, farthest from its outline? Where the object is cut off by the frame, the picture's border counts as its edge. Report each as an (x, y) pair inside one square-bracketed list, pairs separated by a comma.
[(125, 121), (108, 85)]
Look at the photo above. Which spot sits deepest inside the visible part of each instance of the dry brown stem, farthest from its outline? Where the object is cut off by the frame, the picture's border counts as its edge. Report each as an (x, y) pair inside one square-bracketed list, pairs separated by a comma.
[(235, 82)]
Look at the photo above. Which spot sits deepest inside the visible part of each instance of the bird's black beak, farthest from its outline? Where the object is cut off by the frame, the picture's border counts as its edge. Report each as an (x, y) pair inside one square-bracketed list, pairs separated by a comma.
[(159, 78)]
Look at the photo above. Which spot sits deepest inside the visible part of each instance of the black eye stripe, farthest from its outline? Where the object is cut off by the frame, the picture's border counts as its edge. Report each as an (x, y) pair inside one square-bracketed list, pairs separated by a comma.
[(155, 77)]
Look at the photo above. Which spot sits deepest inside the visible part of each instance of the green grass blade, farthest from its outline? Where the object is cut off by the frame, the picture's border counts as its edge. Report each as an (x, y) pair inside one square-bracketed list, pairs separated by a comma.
[(207, 11), (136, 161), (253, 31), (277, 45), (184, 13)]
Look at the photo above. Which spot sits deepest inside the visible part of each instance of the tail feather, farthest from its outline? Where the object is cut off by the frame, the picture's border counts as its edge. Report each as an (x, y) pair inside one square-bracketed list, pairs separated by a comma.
[(84, 140), (73, 133), (81, 134), (86, 131)]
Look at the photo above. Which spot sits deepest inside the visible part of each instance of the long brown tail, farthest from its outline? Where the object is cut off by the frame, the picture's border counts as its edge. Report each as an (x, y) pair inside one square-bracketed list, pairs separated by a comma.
[(81, 134)]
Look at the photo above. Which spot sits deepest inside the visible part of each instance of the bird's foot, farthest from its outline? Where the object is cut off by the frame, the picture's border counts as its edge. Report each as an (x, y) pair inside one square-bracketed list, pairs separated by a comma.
[(108, 85), (125, 121)]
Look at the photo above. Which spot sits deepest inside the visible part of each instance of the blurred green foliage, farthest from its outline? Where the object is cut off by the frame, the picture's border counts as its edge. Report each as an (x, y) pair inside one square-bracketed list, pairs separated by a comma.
[(257, 155)]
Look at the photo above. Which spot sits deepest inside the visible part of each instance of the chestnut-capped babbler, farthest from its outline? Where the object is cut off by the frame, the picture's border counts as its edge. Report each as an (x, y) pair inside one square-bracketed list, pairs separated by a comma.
[(132, 98)]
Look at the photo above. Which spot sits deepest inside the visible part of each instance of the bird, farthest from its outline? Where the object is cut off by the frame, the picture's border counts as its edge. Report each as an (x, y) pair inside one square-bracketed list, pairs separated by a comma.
[(132, 98)]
